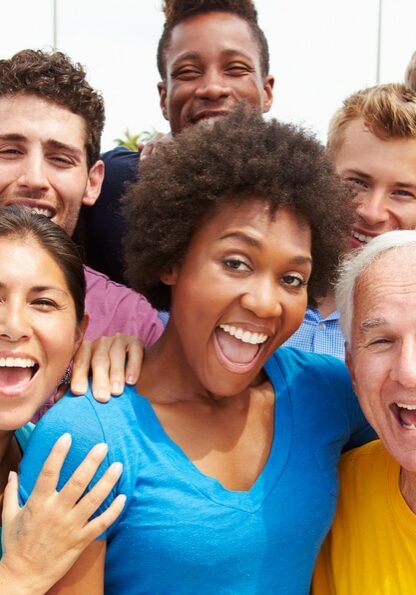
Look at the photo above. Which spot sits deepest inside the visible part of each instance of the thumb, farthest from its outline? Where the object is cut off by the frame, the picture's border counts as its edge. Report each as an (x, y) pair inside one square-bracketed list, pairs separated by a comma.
[(10, 499)]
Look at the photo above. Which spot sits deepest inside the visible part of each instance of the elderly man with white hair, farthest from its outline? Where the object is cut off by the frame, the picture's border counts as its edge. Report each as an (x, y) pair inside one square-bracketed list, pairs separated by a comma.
[(371, 548)]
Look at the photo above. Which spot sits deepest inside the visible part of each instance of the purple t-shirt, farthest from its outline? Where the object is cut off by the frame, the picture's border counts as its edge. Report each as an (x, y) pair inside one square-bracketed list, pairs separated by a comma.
[(114, 308)]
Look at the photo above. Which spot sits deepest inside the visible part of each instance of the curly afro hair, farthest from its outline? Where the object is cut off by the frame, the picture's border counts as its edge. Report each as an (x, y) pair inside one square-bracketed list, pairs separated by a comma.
[(54, 77), (238, 158), (177, 11)]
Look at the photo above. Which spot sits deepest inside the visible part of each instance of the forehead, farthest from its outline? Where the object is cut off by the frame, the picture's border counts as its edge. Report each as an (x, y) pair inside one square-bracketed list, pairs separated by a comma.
[(212, 34), (388, 289), (393, 158), (37, 119), (254, 218), (28, 261)]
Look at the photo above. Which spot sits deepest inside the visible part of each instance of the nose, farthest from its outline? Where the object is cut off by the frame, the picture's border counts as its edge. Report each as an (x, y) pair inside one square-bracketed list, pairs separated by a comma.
[(262, 298), (212, 86), (33, 175), (372, 207), (13, 323), (404, 367)]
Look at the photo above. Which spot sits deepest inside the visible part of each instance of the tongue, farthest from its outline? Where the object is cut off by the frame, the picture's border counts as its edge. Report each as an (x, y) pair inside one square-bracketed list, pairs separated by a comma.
[(407, 416), (234, 349), (14, 377)]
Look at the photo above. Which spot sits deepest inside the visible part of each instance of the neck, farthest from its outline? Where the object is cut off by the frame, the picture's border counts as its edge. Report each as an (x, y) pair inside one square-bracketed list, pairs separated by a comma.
[(408, 488), (326, 305)]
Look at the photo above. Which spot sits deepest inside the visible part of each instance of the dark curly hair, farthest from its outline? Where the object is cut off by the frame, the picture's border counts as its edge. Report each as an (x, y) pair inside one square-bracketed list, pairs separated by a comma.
[(54, 77), (177, 11), (239, 158)]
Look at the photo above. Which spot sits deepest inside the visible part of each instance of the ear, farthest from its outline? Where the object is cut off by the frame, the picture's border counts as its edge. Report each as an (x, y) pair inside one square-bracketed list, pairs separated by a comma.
[(268, 84), (349, 362), (161, 87), (94, 183), (80, 332), (170, 276)]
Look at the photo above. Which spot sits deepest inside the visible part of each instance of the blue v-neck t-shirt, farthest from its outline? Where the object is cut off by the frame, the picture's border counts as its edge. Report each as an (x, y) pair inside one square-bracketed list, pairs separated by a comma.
[(181, 531)]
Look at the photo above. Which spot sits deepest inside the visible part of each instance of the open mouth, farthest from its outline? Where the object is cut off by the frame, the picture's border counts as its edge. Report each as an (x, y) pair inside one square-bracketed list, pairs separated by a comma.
[(15, 374), (361, 237), (405, 413), (45, 212), (237, 347)]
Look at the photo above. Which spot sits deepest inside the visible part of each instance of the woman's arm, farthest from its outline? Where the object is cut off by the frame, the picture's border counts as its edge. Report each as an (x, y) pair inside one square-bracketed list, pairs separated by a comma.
[(43, 539)]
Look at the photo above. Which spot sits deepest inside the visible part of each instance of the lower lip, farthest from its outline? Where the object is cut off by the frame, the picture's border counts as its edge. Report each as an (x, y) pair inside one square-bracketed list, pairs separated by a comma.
[(237, 368)]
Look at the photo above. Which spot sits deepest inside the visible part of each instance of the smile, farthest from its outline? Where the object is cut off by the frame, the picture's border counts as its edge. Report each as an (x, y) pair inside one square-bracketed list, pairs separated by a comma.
[(237, 348), (406, 414), (243, 335), (361, 237), (46, 212), (16, 374)]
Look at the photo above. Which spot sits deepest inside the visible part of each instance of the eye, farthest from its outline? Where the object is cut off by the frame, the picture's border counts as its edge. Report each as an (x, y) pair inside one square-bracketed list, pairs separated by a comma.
[(10, 152), (294, 280), (237, 264), (186, 73), (403, 194), (44, 304), (356, 183), (62, 160), (238, 69)]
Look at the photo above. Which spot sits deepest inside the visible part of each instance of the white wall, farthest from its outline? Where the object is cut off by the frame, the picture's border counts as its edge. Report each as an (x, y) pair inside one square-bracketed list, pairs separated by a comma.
[(321, 51)]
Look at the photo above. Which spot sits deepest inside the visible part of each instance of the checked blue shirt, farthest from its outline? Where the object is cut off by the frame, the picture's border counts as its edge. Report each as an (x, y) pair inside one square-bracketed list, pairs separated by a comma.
[(319, 335)]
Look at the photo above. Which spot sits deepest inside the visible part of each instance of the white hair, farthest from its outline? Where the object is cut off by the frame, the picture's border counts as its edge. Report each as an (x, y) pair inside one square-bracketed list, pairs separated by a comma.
[(357, 264)]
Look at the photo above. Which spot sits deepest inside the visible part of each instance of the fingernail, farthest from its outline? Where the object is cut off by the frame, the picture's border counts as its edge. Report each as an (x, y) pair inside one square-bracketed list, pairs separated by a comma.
[(130, 379), (11, 475), (78, 388), (116, 469), (103, 394), (100, 449), (116, 387), (65, 439)]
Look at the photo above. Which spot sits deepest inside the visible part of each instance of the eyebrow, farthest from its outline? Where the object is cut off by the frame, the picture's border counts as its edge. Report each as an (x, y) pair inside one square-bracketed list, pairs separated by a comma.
[(250, 241), (371, 323), (40, 288), (197, 56), (51, 142)]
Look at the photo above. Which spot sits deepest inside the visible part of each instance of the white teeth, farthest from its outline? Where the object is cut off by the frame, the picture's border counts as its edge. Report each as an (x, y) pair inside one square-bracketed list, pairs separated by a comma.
[(406, 406), (244, 336), (38, 211), (16, 362), (361, 237)]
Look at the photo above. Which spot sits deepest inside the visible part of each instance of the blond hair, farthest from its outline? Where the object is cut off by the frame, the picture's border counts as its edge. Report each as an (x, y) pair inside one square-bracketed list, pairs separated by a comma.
[(410, 76), (388, 111)]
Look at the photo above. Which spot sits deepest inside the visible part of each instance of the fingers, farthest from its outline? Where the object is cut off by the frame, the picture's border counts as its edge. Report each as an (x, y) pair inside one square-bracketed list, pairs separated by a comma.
[(49, 476), (81, 367), (81, 477), (98, 525), (10, 500), (96, 496), (135, 360)]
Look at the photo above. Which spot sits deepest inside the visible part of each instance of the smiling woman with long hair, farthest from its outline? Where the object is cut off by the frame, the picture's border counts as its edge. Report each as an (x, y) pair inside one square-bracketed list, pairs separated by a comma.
[(42, 291), (229, 446)]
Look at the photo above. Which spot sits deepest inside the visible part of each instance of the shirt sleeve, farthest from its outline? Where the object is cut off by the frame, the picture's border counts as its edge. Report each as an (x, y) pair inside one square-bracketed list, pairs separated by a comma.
[(360, 431), (77, 416)]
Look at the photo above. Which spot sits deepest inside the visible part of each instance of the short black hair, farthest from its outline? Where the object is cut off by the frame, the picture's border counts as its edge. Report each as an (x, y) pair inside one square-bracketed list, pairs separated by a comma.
[(238, 158), (177, 11), (20, 222)]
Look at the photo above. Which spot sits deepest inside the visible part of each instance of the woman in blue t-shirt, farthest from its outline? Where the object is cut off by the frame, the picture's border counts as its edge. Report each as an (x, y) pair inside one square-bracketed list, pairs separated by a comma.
[(229, 449), (42, 290)]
